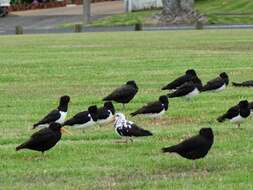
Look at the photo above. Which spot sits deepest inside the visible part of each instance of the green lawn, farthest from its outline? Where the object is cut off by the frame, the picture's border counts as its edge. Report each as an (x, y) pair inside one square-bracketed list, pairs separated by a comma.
[(236, 12), (37, 69)]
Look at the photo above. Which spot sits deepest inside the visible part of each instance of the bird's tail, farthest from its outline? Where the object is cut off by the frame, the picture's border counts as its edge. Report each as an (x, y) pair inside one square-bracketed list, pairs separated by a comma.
[(236, 84), (165, 88), (147, 133), (35, 125), (172, 95), (169, 149), (204, 88), (107, 98), (134, 114), (19, 147), (221, 118), (69, 122)]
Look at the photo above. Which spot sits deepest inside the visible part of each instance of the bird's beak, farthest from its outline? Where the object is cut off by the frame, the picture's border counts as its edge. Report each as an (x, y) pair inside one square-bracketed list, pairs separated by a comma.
[(113, 119), (65, 131)]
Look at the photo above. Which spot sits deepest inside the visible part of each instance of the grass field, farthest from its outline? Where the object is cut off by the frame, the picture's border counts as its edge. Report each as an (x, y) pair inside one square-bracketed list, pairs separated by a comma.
[(36, 70)]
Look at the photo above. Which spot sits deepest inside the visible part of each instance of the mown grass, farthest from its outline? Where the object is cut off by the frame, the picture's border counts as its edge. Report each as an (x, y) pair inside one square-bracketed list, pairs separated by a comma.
[(37, 69)]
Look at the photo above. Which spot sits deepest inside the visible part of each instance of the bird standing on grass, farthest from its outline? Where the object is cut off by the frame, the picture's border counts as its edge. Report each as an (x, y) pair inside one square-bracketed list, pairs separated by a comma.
[(106, 113), (189, 75), (195, 147), (154, 109), (248, 83), (123, 94), (83, 119), (44, 139), (57, 115), (128, 129), (218, 84), (237, 114), (188, 89)]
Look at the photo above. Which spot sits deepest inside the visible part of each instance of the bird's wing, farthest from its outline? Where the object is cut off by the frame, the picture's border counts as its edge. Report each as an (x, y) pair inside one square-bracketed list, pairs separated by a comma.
[(233, 112), (39, 137), (177, 82), (79, 118), (50, 117), (189, 145), (183, 90), (153, 107), (122, 92), (214, 84), (103, 113), (251, 105), (134, 130)]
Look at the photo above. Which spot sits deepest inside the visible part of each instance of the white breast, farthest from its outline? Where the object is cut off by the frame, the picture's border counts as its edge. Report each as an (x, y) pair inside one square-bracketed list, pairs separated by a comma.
[(237, 119), (62, 118), (221, 88), (195, 92)]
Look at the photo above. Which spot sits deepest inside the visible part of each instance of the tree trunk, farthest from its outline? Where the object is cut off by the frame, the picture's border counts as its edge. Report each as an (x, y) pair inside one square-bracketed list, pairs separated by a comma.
[(179, 11)]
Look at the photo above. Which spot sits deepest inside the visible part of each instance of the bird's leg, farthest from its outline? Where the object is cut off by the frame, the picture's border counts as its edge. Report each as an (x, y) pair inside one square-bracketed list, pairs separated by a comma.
[(194, 165), (238, 126), (131, 140)]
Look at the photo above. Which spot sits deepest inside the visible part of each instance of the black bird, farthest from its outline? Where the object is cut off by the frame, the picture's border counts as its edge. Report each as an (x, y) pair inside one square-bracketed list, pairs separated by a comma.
[(189, 75), (195, 147), (251, 108), (44, 139), (218, 84), (83, 119), (123, 94), (106, 113), (248, 83), (154, 109), (128, 129), (57, 115), (236, 114), (188, 89)]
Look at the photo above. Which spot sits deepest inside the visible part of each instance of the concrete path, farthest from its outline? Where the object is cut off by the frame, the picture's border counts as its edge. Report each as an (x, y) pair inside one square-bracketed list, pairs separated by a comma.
[(53, 18)]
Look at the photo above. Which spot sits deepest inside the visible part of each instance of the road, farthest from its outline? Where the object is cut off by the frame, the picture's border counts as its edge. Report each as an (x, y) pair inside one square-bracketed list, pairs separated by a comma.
[(52, 18)]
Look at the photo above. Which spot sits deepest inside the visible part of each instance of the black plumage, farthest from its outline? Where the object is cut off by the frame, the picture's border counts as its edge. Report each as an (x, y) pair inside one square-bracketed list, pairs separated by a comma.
[(195, 147), (217, 84), (248, 83), (237, 113), (57, 115), (83, 119), (187, 77), (123, 94), (43, 139), (188, 89), (126, 128), (251, 108), (154, 109), (106, 113)]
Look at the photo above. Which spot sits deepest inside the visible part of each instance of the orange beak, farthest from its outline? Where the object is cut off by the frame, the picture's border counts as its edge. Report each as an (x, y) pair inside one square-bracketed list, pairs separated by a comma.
[(65, 131)]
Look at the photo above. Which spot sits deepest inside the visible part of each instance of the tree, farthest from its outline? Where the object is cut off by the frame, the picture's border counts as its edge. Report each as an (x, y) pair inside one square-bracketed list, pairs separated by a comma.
[(180, 11)]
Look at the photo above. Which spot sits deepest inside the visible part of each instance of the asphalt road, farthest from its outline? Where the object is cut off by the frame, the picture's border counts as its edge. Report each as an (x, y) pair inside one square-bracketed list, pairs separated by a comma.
[(48, 19)]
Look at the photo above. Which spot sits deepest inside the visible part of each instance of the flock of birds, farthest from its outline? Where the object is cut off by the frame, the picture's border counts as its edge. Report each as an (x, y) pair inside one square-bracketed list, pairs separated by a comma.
[(187, 85)]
